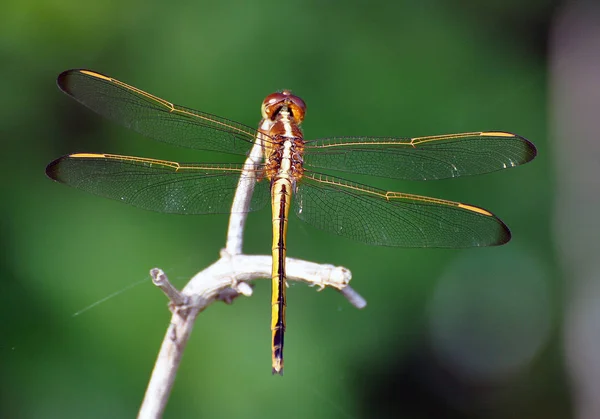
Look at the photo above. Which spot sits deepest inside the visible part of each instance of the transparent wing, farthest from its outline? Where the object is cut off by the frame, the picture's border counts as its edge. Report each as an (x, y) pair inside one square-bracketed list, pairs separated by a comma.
[(154, 117), (422, 158), (156, 185), (377, 217)]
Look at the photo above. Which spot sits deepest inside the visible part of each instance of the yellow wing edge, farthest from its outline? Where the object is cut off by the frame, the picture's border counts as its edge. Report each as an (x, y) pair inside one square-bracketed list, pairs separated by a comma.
[(94, 74), (475, 209), (171, 107), (498, 134), (165, 163), (413, 142), (389, 195)]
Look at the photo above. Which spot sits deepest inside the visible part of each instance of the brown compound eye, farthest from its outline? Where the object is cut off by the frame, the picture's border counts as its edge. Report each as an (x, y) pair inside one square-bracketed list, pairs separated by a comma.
[(296, 105), (275, 101), (271, 104)]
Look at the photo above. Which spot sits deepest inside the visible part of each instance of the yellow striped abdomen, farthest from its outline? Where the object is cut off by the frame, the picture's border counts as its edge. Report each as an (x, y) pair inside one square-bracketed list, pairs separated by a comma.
[(281, 195)]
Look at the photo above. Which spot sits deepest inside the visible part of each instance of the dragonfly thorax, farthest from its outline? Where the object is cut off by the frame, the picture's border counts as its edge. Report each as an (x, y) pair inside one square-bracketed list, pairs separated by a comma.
[(285, 148)]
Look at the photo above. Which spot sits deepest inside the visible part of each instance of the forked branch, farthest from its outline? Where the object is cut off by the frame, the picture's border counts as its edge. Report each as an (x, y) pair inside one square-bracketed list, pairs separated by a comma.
[(224, 280)]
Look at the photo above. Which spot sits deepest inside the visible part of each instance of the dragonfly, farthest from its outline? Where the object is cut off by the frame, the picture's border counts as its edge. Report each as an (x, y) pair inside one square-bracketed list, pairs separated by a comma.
[(291, 174)]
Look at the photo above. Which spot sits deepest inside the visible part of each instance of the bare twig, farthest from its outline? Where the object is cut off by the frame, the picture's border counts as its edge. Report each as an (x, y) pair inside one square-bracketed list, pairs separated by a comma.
[(241, 200), (161, 281), (225, 280)]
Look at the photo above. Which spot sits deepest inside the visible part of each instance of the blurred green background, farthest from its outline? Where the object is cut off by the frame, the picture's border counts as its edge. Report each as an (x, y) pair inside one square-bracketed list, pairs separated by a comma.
[(446, 333)]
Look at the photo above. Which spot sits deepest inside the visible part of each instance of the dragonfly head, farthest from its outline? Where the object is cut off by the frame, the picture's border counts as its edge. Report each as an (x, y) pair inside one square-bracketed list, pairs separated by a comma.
[(284, 100)]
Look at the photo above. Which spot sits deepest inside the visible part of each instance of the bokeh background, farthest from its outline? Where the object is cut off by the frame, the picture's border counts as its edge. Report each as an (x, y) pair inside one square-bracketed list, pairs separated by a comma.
[(476, 333)]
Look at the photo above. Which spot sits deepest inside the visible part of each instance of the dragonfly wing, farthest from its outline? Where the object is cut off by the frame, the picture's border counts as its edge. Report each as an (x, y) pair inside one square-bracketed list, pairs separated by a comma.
[(423, 158), (377, 217), (156, 185), (154, 117)]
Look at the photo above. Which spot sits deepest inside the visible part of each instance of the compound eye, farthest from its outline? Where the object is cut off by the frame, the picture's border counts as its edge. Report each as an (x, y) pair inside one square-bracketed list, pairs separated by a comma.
[(297, 106), (271, 104)]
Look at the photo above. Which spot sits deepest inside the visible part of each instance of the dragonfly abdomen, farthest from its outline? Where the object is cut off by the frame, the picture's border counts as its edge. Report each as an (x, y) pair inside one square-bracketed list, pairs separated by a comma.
[(281, 193)]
